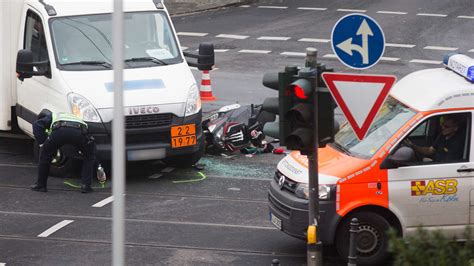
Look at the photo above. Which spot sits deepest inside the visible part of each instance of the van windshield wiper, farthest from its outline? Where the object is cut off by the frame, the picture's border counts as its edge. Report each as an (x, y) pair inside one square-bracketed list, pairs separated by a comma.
[(147, 59), (90, 63), (341, 148)]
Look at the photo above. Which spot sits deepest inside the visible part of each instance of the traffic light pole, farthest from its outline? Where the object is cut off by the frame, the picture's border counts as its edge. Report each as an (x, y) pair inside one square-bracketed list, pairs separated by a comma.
[(314, 245)]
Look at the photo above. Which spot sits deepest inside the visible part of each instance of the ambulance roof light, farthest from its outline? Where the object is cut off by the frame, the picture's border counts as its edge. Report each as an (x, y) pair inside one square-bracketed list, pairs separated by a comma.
[(461, 64)]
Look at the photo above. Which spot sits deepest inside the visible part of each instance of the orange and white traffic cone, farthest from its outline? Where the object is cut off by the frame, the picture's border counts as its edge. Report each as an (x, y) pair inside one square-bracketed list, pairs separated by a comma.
[(206, 90)]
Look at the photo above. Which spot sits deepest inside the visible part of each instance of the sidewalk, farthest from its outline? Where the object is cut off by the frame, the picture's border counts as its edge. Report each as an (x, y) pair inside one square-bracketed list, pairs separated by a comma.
[(180, 7)]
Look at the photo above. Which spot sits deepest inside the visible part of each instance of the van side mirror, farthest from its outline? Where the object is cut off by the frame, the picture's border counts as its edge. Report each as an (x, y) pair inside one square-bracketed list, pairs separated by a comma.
[(401, 157), (205, 58), (25, 64)]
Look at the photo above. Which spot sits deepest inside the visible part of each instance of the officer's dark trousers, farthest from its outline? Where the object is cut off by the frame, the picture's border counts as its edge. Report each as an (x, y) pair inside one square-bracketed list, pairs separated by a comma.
[(62, 136)]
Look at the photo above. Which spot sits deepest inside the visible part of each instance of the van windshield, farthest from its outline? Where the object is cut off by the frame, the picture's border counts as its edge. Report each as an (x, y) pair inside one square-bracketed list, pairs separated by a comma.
[(391, 117), (85, 42)]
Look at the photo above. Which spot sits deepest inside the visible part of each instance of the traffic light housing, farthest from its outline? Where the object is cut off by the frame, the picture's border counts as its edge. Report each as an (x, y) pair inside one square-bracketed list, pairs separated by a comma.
[(302, 97), (301, 114), (278, 105), (327, 126)]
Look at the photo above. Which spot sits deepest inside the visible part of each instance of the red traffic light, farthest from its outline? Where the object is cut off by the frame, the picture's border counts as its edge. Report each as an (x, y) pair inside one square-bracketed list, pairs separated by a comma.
[(301, 88), (299, 92)]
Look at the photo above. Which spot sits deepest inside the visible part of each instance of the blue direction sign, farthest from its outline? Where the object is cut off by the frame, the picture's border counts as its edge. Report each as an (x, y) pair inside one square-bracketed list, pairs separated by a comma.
[(358, 41)]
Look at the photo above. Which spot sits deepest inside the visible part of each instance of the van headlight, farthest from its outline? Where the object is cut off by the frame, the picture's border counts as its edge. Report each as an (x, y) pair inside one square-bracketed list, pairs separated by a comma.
[(193, 104), (302, 191), (82, 108)]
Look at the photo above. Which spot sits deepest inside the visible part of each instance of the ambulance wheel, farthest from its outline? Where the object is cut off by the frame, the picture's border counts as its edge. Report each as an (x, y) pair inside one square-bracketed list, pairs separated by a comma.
[(188, 160), (372, 240)]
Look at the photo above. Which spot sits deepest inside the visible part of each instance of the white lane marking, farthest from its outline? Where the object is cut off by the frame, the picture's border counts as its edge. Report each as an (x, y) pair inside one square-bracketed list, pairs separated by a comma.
[(255, 51), (274, 7), (467, 17), (2, 264), (220, 50), (103, 202), (245, 6), (392, 12), (313, 8), (153, 176), (55, 228), (422, 61), (431, 15), (184, 48), (314, 40), (471, 51), (273, 38), (194, 34), (232, 36), (392, 59), (329, 56), (400, 45), (167, 170), (352, 10), (440, 48), (293, 54)]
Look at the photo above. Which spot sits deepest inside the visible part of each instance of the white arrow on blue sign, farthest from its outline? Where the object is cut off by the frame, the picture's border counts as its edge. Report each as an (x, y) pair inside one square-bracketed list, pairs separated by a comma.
[(358, 41)]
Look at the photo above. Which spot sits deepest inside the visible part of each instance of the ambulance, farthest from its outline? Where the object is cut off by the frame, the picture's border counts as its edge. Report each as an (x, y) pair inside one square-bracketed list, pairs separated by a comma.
[(57, 57), (385, 181)]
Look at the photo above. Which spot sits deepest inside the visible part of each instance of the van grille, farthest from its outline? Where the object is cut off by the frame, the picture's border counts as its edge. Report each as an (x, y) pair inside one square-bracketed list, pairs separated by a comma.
[(289, 185), (145, 121)]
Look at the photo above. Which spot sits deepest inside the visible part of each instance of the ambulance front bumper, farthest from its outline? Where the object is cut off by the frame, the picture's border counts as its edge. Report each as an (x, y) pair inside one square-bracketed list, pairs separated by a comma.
[(290, 214)]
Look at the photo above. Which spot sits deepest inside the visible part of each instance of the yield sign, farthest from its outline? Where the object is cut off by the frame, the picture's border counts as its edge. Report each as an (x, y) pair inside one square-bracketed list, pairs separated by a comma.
[(359, 97)]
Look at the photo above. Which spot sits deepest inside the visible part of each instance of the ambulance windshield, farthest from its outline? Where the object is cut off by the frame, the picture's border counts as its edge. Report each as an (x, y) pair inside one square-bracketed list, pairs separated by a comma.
[(391, 117), (85, 42)]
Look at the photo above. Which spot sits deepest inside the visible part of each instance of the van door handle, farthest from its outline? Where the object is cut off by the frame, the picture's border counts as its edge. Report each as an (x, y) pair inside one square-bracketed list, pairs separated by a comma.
[(465, 170)]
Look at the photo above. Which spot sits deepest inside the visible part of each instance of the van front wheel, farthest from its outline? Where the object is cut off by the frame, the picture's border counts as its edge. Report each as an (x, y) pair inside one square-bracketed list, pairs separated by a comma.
[(61, 165), (371, 241), (64, 166)]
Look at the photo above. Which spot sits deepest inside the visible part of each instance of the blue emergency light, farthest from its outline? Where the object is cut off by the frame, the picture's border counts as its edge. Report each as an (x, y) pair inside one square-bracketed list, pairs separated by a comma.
[(461, 64)]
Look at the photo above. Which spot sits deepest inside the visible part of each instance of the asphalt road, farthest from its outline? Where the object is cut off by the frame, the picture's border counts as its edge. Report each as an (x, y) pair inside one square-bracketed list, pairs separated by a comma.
[(177, 218), (173, 217), (265, 36)]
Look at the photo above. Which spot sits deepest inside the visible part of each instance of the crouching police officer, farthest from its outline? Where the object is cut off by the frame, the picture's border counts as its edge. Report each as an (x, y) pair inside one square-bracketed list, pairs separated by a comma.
[(55, 130)]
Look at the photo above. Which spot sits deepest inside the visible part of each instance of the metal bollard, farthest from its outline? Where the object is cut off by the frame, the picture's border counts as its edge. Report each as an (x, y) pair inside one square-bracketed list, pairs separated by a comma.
[(275, 262), (352, 242)]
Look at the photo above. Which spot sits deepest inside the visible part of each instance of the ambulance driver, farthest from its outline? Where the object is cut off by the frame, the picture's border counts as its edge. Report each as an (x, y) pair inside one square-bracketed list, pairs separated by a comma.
[(448, 146)]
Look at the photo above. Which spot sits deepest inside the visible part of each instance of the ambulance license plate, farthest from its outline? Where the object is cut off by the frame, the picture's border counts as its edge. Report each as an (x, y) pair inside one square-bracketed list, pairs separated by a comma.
[(182, 136), (275, 221)]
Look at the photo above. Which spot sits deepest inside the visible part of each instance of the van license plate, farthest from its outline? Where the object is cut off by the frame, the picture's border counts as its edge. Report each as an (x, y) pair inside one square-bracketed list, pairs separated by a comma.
[(182, 136), (275, 221)]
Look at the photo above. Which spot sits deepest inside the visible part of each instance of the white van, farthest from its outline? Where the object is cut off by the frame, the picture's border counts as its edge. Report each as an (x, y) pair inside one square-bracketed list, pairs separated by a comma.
[(57, 57)]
